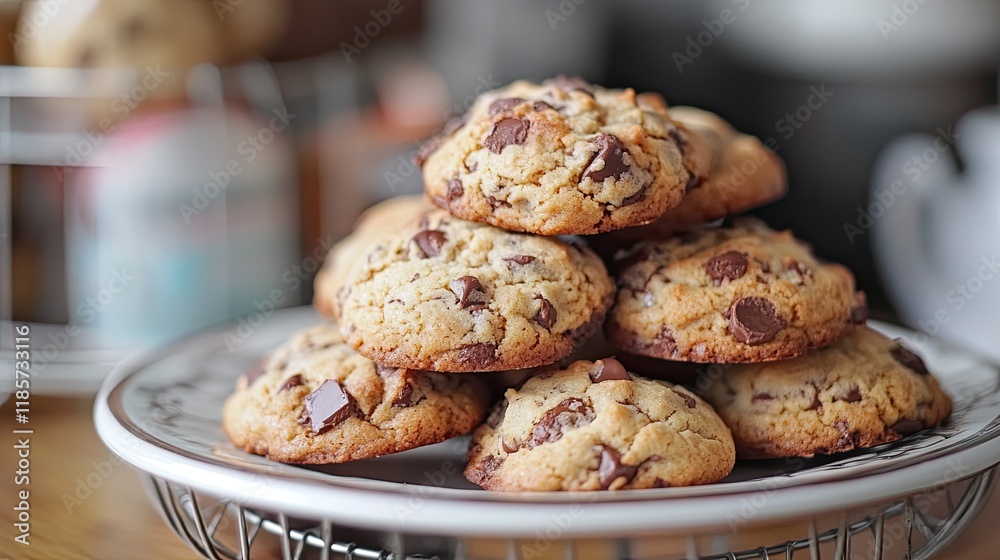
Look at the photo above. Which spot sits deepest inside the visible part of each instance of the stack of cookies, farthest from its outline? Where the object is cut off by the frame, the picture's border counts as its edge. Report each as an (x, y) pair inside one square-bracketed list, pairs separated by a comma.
[(500, 274)]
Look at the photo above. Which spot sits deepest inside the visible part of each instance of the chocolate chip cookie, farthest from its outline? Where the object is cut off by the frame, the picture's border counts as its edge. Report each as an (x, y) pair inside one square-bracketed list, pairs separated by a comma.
[(744, 174), (381, 218), (445, 294), (595, 426), (863, 391), (315, 400), (730, 294), (563, 157)]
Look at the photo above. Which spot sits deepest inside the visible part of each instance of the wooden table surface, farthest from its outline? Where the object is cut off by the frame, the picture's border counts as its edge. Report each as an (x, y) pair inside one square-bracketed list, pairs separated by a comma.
[(117, 522)]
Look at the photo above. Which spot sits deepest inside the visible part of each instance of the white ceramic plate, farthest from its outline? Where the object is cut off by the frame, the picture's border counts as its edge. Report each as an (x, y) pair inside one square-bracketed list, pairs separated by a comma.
[(161, 413)]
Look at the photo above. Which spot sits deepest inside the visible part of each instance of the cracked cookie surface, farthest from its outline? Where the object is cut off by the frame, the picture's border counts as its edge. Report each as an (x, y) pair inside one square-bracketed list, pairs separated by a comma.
[(730, 294), (315, 400), (863, 391), (594, 426), (563, 157), (743, 174), (445, 294)]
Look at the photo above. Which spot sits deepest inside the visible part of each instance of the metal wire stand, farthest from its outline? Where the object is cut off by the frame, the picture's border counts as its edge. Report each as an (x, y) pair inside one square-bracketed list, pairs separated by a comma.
[(915, 527)]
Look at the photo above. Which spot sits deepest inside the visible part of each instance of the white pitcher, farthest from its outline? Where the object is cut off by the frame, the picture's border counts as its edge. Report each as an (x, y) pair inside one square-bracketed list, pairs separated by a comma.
[(937, 231)]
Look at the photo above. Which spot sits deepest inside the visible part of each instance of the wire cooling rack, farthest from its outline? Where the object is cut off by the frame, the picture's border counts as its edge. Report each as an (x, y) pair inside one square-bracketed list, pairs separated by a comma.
[(913, 527)]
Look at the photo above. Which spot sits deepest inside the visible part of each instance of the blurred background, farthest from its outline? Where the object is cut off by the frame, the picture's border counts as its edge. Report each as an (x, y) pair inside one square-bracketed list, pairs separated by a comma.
[(169, 164)]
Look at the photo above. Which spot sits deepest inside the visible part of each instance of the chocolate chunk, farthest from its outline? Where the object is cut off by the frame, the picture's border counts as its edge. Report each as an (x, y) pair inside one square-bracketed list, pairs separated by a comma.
[(490, 464), (859, 312), (508, 446), (256, 370), (519, 260), (660, 483), (430, 242), (570, 83), (293, 381), (637, 197), (541, 106), (327, 406), (405, 396), (853, 395), (496, 202), (506, 132), (569, 414), (754, 320), (425, 150), (665, 344), (679, 138), (693, 183), (546, 316), (478, 356), (731, 265), (504, 104), (761, 397), (908, 359), (469, 290), (907, 427), (688, 399), (611, 152), (455, 189), (804, 272), (611, 468), (609, 369)]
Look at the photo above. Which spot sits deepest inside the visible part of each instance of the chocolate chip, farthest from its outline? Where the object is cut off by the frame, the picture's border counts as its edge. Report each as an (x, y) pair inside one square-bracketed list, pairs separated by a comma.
[(455, 189), (425, 150), (660, 483), (546, 315), (637, 197), (907, 427), (908, 359), (570, 83), (504, 104), (761, 397), (478, 356), (506, 132), (469, 291), (430, 242), (496, 202), (293, 381), (611, 152), (754, 320), (688, 399), (804, 272), (508, 446), (665, 344), (327, 406), (731, 265), (490, 464), (256, 371), (519, 260), (611, 468), (853, 395), (541, 106), (609, 369), (569, 414)]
